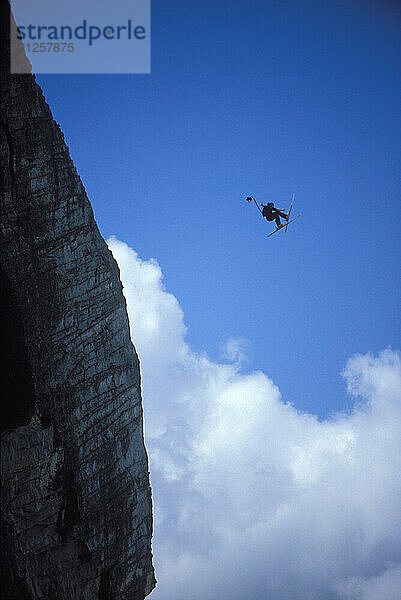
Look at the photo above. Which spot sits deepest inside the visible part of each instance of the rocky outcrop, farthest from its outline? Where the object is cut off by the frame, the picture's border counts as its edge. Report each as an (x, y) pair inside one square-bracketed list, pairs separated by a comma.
[(76, 499)]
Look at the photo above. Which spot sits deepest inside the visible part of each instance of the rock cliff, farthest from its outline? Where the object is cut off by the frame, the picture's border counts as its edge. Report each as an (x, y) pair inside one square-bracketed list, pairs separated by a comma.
[(76, 499)]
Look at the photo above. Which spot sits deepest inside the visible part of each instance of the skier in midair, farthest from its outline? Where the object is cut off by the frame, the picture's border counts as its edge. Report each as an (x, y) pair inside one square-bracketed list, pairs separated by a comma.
[(273, 214)]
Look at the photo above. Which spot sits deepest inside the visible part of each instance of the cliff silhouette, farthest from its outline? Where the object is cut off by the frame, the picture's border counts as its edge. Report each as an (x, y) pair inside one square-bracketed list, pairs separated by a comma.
[(76, 499)]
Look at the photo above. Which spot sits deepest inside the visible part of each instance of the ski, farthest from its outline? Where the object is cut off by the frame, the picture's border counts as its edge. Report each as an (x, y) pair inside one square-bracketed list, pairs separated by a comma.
[(279, 228), (289, 212)]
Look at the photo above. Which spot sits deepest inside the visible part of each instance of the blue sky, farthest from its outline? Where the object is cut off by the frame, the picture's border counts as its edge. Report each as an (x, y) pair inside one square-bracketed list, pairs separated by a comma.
[(264, 99), (267, 99)]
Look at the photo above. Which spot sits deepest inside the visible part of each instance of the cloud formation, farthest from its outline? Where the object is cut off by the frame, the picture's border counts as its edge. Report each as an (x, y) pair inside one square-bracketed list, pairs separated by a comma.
[(253, 498)]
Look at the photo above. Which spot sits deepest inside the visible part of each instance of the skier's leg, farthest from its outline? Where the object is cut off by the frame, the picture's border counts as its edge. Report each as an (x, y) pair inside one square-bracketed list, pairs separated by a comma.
[(276, 216)]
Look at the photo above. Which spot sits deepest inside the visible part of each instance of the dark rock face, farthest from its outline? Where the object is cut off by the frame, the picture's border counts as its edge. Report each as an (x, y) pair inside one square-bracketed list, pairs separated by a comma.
[(76, 499)]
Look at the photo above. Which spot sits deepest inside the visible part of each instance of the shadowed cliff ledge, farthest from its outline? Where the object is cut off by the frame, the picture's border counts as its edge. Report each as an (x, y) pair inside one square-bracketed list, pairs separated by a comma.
[(76, 499)]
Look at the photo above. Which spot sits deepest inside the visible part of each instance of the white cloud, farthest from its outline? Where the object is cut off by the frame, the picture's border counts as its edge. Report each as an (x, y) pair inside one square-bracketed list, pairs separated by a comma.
[(236, 350), (254, 499)]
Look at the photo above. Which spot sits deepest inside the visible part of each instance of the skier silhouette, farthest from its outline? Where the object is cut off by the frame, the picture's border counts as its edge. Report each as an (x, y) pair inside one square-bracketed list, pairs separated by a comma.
[(273, 214)]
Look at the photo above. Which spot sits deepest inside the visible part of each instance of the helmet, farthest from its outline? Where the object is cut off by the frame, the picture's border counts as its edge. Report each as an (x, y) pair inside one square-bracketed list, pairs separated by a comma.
[(249, 199)]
